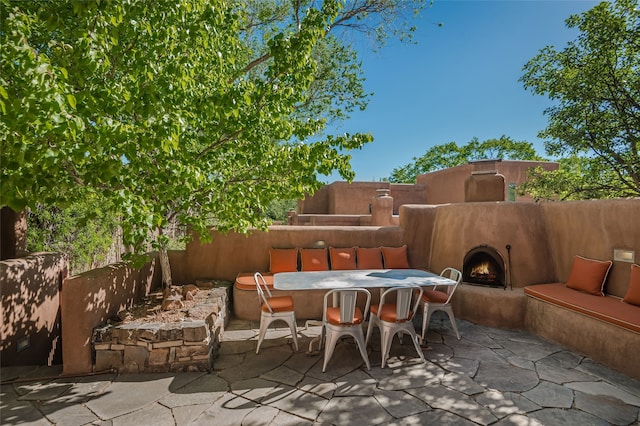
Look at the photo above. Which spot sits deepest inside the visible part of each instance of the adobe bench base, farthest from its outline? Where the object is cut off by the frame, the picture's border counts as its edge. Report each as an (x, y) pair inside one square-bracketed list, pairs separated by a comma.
[(549, 314)]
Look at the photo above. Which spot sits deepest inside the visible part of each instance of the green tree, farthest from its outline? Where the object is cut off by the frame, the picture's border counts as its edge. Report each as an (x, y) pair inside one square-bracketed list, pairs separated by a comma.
[(595, 119), (450, 155), (178, 110), (86, 232)]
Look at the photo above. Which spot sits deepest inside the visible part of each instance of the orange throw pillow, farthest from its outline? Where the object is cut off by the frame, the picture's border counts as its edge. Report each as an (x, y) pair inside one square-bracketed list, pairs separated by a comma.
[(283, 260), (395, 257), (314, 259), (633, 292), (588, 275), (369, 258), (342, 258)]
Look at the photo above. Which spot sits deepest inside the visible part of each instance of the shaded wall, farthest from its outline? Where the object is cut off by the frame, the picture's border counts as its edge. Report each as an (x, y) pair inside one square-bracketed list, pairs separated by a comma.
[(91, 298), (30, 297)]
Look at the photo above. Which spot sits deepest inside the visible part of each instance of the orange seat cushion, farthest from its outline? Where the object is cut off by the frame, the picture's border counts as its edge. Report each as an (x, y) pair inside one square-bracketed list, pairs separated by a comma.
[(395, 257), (245, 281), (588, 275), (342, 258), (434, 296), (283, 260), (314, 259), (279, 304), (388, 313), (333, 316), (633, 292), (369, 258), (608, 308)]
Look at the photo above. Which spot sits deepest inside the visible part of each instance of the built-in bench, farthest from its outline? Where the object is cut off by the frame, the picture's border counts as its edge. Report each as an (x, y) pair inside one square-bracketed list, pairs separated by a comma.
[(604, 327), (308, 303)]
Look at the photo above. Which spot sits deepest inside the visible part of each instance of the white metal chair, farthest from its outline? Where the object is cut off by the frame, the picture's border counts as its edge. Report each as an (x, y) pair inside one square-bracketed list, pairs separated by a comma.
[(394, 318), (440, 300), (344, 320), (273, 309)]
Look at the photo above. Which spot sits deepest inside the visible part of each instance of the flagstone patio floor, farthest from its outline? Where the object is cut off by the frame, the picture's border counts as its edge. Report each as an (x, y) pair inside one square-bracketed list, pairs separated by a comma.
[(489, 376)]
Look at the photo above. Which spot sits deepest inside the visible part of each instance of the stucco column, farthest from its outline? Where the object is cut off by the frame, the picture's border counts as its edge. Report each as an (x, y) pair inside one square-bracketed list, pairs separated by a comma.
[(382, 208)]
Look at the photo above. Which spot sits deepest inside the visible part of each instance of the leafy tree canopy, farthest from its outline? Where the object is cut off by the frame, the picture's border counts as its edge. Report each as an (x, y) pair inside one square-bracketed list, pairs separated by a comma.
[(595, 120), (451, 155), (180, 110)]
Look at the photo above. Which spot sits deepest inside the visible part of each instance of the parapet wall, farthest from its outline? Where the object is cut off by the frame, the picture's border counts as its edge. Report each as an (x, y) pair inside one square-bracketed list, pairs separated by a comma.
[(91, 298)]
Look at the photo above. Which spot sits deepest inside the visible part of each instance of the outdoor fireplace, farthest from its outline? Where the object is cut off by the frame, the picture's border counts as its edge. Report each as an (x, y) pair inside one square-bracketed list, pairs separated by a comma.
[(484, 265)]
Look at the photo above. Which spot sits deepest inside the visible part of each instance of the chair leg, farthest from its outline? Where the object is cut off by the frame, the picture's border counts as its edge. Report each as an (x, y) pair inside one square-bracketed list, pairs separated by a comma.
[(385, 338), (452, 318), (369, 329), (264, 324), (426, 317), (291, 321), (359, 338), (330, 344), (414, 338)]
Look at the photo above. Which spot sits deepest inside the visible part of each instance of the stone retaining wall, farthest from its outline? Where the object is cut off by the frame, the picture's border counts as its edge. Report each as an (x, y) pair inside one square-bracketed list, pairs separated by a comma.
[(188, 345)]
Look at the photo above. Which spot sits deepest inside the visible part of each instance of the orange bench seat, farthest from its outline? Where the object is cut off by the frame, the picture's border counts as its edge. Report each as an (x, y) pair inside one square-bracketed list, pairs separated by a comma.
[(610, 309), (244, 280)]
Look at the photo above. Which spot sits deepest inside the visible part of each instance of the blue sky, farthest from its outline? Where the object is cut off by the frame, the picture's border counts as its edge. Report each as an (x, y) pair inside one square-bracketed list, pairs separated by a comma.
[(458, 82)]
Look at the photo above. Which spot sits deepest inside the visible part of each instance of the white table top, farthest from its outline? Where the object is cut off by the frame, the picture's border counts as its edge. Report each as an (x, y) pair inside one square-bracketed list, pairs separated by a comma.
[(357, 278)]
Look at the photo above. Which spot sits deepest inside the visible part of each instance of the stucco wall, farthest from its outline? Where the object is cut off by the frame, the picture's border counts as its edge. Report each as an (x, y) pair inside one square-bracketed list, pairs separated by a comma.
[(89, 299), (445, 186), (544, 237), (29, 291), (457, 228), (594, 229), (227, 255)]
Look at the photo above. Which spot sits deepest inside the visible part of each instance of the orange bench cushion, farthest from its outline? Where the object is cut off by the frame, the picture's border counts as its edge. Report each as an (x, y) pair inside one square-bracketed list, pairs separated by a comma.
[(244, 281), (342, 258), (608, 308), (283, 260), (395, 257), (314, 259), (369, 258)]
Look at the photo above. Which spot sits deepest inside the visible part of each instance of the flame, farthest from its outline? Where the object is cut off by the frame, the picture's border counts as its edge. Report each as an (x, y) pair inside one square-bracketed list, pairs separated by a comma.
[(482, 270)]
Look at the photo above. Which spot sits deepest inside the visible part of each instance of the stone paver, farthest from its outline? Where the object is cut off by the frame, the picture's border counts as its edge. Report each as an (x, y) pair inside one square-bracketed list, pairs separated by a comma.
[(488, 377)]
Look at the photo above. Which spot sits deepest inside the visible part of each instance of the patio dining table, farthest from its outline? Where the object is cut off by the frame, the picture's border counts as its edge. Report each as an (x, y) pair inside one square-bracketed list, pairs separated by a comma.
[(365, 278), (352, 278)]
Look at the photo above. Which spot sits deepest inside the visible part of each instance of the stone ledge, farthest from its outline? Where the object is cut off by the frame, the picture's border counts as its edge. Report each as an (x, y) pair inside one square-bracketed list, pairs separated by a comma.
[(188, 345)]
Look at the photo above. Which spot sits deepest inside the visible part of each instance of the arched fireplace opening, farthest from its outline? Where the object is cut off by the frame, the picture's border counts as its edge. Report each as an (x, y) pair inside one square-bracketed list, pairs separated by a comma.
[(484, 265)]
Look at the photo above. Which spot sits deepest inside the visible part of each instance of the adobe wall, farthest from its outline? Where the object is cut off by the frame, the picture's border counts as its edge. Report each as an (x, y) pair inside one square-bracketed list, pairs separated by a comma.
[(227, 255), (594, 229), (445, 186), (544, 237), (353, 198), (404, 193), (452, 230), (30, 300), (91, 298)]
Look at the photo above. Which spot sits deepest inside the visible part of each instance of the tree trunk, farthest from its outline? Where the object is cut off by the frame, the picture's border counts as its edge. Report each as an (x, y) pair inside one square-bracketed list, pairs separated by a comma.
[(166, 268)]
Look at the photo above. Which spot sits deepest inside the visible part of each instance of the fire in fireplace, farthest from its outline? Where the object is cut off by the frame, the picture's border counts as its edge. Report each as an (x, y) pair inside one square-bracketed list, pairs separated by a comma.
[(484, 265)]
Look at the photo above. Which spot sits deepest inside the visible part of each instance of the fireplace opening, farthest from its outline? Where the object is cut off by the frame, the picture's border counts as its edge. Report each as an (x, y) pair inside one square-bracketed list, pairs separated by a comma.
[(484, 265)]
